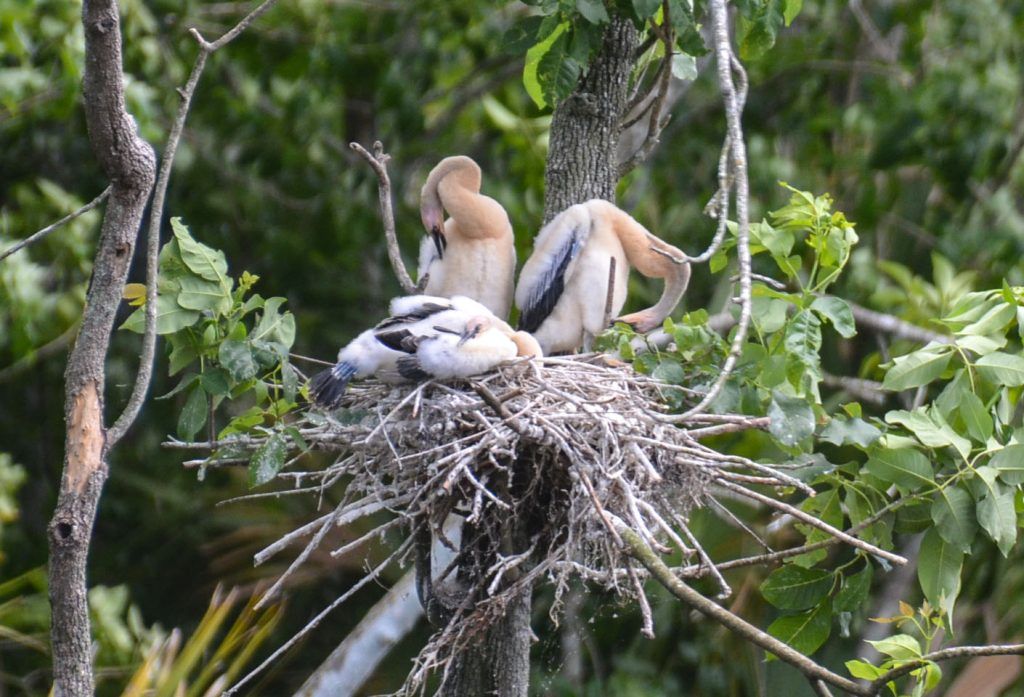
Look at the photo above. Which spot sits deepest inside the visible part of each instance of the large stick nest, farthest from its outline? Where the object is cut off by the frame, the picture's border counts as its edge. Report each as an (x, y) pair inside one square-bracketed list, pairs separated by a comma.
[(542, 459)]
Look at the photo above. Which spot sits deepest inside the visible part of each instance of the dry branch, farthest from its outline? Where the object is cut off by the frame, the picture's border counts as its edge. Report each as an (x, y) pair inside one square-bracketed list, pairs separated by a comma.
[(379, 162), (36, 236), (573, 446)]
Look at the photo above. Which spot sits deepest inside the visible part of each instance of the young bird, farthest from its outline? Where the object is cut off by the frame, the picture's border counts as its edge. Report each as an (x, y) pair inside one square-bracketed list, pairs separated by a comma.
[(563, 285), (473, 252), (484, 343), (376, 351)]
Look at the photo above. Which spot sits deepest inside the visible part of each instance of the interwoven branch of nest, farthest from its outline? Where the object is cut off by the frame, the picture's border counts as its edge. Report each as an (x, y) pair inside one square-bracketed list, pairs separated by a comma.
[(576, 446)]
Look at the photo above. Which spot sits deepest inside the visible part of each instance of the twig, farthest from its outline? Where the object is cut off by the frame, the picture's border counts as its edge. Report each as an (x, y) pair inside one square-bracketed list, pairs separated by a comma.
[(734, 623), (319, 617), (42, 353), (378, 161), (811, 520), (36, 236), (896, 326), (610, 293), (878, 683), (726, 62), (309, 359), (149, 336), (864, 390)]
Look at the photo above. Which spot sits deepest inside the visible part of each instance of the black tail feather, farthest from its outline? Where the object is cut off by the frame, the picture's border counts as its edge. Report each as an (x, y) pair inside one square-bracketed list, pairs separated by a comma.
[(409, 368), (328, 386)]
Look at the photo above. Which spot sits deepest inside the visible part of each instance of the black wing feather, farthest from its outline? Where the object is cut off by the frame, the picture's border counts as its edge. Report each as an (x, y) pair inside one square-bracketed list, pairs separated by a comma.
[(409, 368), (541, 305), (399, 340), (422, 312)]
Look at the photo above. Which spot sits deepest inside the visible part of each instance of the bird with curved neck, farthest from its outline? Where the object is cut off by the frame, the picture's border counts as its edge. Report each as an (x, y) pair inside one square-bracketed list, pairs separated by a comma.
[(562, 288), (472, 253)]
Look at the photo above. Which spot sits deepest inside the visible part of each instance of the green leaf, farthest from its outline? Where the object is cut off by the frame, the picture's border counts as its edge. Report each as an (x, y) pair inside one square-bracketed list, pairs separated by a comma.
[(855, 590), (216, 382), (905, 468), (200, 294), (938, 571), (917, 368), (992, 322), (684, 66), (803, 338), (999, 519), (592, 10), (840, 431), (864, 670), (170, 317), (289, 381), (1010, 463), (791, 8), (645, 8), (838, 312), (558, 71), (976, 418), (759, 24), (930, 428), (806, 631), (954, 517), (268, 460), (898, 646), (236, 357), (521, 35), (669, 371), (275, 327), (531, 79), (792, 419), (200, 259), (1002, 369), (793, 588), (768, 314), (193, 414)]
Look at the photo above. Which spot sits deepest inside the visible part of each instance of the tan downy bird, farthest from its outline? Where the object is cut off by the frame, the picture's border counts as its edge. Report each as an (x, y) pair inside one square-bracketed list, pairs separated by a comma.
[(563, 285), (472, 253)]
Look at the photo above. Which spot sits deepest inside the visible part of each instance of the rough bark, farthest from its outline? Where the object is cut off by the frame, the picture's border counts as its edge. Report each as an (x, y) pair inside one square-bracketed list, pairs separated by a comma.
[(582, 156), (130, 164), (582, 164)]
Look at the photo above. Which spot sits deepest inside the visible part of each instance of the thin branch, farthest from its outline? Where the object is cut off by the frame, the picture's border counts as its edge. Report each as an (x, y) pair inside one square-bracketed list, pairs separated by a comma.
[(378, 161), (35, 237), (646, 556), (864, 390), (896, 326), (149, 337), (878, 683), (610, 293), (726, 63), (48, 349), (815, 522)]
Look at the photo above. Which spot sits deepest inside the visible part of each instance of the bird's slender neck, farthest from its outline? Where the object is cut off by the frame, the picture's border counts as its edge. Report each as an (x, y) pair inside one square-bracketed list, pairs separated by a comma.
[(526, 345), (676, 282), (452, 177)]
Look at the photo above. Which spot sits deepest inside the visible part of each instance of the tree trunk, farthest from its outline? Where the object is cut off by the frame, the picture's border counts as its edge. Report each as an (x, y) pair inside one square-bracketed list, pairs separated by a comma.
[(130, 164), (582, 165), (582, 156)]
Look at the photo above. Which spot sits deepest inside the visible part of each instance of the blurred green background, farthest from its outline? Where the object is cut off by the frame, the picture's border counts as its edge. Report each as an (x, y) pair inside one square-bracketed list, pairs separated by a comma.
[(910, 113)]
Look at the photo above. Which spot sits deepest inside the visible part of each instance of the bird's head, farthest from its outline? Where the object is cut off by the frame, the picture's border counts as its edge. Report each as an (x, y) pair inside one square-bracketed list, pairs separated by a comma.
[(474, 327), (432, 216)]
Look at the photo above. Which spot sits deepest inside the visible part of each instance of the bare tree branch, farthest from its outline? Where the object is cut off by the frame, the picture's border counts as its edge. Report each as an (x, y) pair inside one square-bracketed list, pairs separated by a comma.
[(145, 374), (379, 162), (663, 574), (878, 683), (896, 326), (36, 236)]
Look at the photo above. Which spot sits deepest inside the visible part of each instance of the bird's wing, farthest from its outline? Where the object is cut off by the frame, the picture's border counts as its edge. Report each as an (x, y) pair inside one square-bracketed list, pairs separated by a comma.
[(543, 278), (410, 369), (399, 340), (407, 313)]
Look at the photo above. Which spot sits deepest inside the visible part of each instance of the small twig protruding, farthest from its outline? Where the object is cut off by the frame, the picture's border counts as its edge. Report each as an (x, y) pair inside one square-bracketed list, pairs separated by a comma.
[(36, 236), (378, 160)]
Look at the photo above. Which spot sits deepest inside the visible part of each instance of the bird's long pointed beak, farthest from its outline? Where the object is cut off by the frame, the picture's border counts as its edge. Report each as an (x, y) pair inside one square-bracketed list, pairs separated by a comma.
[(440, 242), (469, 334)]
